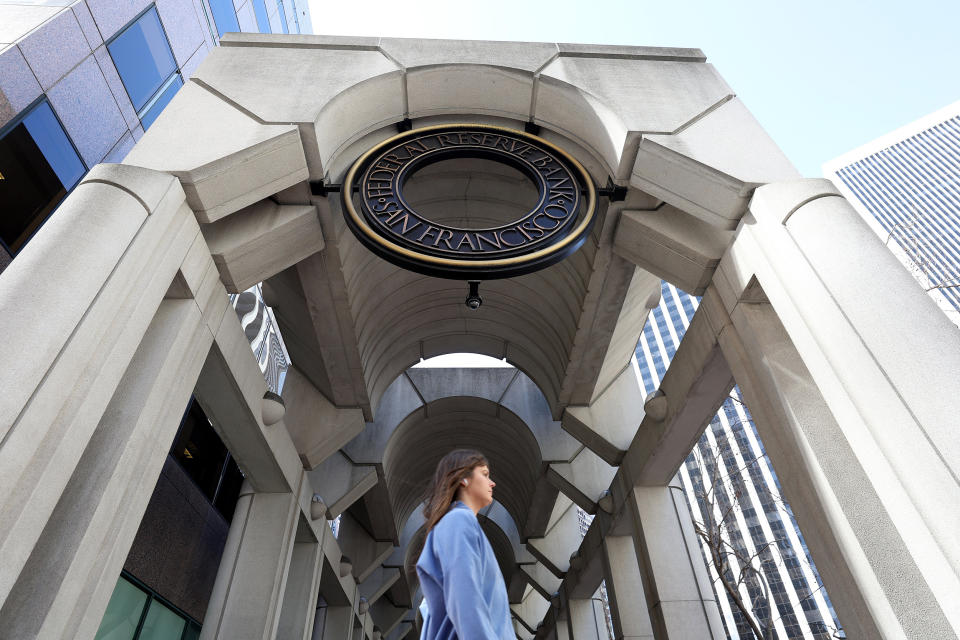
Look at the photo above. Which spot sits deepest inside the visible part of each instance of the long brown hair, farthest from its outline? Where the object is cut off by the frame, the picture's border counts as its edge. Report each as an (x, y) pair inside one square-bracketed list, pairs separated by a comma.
[(452, 468)]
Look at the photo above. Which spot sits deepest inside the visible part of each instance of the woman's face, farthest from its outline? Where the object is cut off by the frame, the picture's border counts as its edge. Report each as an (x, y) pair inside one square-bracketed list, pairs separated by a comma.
[(480, 486)]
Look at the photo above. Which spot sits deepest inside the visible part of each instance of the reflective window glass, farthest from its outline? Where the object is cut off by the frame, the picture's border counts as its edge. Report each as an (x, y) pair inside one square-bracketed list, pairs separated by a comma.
[(205, 458), (161, 623), (263, 20), (123, 612), (225, 16), (296, 18), (38, 166), (283, 17), (163, 99), (200, 451), (143, 58), (225, 501)]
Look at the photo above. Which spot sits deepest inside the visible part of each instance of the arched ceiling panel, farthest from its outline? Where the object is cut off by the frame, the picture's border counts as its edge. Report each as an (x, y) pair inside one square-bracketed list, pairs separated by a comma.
[(532, 320), (418, 443)]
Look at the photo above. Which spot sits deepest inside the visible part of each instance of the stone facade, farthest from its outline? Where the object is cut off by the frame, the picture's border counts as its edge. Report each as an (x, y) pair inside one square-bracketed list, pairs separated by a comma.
[(58, 54)]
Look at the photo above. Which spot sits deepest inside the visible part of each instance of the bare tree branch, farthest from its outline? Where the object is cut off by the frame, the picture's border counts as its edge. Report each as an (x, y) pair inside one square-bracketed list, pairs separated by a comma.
[(723, 479)]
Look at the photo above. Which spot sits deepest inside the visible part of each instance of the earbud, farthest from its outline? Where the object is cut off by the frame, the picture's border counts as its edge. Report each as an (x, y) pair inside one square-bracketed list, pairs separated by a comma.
[(465, 482)]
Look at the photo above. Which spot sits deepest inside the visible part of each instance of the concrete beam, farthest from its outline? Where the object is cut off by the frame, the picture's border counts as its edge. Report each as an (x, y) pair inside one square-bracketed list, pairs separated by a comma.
[(337, 590), (709, 165), (386, 616), (695, 385), (673, 245), (341, 483), (366, 553), (642, 295), (540, 578), (402, 631), (262, 240), (583, 479), (609, 423), (309, 301), (600, 310), (317, 427), (378, 582), (563, 534), (586, 562), (224, 159), (531, 609), (376, 508)]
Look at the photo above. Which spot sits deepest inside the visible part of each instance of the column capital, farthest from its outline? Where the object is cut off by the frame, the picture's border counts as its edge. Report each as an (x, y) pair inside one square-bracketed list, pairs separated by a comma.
[(777, 201)]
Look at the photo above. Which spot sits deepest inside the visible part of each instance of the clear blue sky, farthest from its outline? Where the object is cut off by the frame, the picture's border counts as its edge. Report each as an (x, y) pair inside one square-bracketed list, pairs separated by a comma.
[(821, 77)]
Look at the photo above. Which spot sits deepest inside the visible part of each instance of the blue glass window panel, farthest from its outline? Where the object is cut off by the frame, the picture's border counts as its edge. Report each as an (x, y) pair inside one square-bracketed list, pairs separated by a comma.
[(38, 167), (148, 116), (143, 58), (296, 18), (283, 17), (46, 131), (225, 16), (263, 20)]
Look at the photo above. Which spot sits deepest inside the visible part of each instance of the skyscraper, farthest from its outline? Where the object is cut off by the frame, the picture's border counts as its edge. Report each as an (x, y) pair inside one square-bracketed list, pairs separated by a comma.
[(734, 499), (81, 81), (906, 185)]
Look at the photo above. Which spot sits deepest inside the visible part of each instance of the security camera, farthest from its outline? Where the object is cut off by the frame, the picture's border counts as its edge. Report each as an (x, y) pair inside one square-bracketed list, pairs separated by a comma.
[(473, 300)]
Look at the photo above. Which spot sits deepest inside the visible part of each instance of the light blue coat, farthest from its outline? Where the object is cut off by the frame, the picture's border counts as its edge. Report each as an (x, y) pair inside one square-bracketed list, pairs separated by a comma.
[(461, 582)]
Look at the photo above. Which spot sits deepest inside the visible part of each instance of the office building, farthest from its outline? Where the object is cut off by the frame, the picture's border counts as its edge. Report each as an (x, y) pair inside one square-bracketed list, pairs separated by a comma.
[(733, 493), (80, 81), (906, 185)]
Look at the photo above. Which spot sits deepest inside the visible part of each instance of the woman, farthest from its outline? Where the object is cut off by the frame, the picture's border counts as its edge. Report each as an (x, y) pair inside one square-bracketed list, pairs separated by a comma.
[(461, 581)]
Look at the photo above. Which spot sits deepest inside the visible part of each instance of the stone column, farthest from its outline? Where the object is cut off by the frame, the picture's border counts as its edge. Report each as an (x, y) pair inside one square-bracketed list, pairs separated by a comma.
[(561, 628), (102, 358), (303, 584), (681, 600), (625, 589), (585, 620), (248, 593), (850, 371), (337, 624)]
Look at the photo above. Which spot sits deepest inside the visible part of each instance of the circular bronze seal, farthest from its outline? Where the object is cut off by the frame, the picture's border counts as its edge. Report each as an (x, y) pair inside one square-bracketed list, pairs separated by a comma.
[(382, 219)]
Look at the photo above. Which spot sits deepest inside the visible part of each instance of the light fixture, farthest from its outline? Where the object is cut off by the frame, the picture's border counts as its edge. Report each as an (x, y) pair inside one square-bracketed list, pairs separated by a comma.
[(272, 408), (318, 509), (473, 300), (656, 405)]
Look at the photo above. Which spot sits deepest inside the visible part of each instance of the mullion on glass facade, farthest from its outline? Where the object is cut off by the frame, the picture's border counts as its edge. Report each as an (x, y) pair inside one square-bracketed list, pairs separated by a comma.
[(224, 16), (143, 58), (136, 612), (39, 166), (907, 184)]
